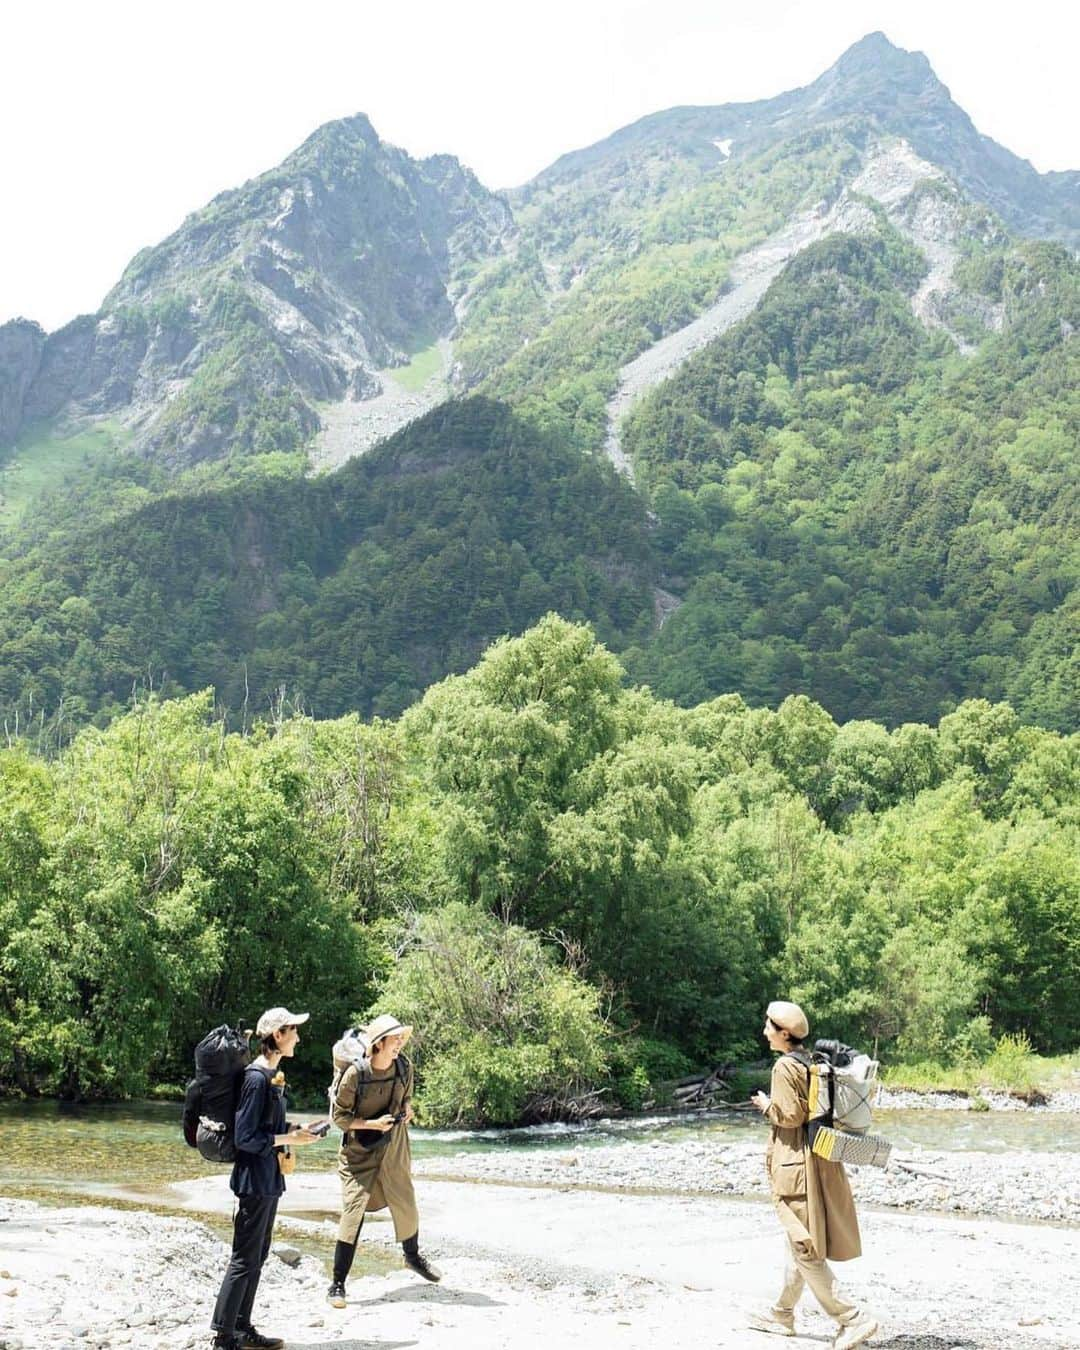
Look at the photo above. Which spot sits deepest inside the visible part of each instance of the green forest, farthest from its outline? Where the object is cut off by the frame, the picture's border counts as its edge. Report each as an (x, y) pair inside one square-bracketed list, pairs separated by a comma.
[(840, 502), (564, 881), (852, 509), (574, 773), (351, 591)]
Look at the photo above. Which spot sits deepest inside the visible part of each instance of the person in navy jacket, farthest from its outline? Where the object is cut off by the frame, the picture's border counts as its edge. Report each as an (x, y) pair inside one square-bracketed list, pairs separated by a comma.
[(261, 1132)]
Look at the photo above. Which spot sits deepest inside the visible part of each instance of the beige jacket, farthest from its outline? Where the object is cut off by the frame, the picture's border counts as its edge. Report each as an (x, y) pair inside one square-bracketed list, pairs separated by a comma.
[(375, 1178), (812, 1196)]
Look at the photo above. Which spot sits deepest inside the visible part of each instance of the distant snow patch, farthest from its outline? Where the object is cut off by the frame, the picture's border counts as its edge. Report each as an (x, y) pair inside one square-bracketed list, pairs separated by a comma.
[(724, 147)]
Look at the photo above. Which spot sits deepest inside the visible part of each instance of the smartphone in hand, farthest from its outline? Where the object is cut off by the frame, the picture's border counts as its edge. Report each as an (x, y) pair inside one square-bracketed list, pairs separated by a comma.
[(320, 1128)]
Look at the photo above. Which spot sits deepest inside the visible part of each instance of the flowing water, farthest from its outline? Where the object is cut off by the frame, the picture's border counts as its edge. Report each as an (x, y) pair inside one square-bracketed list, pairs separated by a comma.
[(54, 1149)]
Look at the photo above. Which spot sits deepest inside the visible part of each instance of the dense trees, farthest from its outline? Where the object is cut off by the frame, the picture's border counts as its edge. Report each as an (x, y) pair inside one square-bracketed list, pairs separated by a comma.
[(565, 883), (354, 591), (851, 510)]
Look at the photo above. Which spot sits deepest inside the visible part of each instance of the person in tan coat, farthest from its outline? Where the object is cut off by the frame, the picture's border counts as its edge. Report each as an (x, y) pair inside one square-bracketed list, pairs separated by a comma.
[(371, 1103), (812, 1197)]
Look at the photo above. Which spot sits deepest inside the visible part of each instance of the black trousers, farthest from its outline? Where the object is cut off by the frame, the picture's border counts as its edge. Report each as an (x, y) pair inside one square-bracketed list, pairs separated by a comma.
[(252, 1229)]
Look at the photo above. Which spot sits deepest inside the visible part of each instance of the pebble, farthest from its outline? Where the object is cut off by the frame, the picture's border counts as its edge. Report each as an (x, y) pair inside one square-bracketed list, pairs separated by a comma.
[(1024, 1185)]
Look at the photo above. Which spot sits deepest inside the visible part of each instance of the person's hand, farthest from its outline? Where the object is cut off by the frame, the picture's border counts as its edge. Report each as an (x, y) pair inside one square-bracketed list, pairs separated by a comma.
[(383, 1123), (298, 1135), (761, 1101), (409, 1114)]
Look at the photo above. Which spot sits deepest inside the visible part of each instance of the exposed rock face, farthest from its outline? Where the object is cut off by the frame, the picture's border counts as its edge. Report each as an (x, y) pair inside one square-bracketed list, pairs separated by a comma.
[(298, 286), (917, 199), (312, 282), (21, 345), (894, 92)]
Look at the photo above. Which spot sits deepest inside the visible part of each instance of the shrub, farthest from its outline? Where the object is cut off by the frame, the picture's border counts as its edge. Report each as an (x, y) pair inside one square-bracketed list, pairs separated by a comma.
[(505, 1033)]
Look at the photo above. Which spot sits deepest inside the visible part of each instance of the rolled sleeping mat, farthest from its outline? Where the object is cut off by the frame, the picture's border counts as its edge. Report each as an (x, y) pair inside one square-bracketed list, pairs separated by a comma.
[(860, 1150)]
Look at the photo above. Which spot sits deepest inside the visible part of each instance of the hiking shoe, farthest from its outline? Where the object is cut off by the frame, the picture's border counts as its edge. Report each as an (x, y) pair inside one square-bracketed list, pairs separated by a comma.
[(255, 1340), (855, 1333), (223, 1342), (418, 1261), (772, 1322), (336, 1295)]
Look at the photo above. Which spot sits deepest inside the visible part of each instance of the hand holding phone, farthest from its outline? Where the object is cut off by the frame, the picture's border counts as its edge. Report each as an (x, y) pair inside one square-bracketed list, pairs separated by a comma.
[(319, 1127)]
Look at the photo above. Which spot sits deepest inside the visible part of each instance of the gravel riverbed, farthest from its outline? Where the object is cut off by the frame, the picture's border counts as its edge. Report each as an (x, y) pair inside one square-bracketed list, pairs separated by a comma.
[(1009, 1185)]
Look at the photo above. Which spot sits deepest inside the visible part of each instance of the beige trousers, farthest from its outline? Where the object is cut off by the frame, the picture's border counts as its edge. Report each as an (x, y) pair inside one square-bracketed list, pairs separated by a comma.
[(802, 1270)]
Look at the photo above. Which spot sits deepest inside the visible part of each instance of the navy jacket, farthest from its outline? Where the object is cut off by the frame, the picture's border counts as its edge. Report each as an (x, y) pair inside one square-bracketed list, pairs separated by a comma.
[(259, 1116)]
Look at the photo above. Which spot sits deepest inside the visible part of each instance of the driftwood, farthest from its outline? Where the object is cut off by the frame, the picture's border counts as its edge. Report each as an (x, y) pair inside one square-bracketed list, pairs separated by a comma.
[(917, 1171), (703, 1089), (547, 1107)]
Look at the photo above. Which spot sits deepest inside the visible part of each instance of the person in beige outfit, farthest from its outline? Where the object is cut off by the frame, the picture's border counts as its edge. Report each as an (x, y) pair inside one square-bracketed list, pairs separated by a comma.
[(371, 1103), (812, 1197)]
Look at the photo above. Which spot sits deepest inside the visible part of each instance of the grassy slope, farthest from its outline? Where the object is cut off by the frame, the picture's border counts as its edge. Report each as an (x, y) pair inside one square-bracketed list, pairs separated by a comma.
[(44, 459)]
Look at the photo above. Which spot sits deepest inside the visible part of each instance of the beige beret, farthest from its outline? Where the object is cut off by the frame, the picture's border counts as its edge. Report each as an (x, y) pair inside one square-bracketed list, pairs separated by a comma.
[(790, 1017)]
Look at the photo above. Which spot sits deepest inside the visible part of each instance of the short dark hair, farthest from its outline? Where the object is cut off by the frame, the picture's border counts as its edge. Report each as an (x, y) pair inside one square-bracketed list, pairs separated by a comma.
[(795, 1040), (268, 1045)]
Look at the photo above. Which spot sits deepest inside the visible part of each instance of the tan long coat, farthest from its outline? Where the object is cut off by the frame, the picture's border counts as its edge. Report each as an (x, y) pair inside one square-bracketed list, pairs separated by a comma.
[(378, 1178), (812, 1196)]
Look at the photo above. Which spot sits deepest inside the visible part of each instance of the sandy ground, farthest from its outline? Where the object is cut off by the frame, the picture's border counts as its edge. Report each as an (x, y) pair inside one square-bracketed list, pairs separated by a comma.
[(531, 1267)]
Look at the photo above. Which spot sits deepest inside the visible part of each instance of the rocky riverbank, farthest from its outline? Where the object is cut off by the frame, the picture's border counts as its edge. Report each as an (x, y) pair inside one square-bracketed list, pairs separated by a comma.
[(531, 1269), (987, 1099), (1005, 1185)]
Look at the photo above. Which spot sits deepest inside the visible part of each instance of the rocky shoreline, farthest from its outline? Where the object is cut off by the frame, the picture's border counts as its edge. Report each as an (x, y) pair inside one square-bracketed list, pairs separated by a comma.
[(957, 1246), (530, 1268), (889, 1099), (1025, 1186)]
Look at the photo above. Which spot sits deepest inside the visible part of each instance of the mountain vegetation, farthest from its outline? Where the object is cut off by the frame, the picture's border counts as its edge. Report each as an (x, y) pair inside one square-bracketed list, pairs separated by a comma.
[(349, 591), (759, 428), (855, 511), (566, 884)]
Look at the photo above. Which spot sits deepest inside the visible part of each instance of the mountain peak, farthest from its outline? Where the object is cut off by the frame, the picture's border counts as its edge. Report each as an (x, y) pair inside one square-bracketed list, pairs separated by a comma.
[(351, 136), (873, 59), (875, 47)]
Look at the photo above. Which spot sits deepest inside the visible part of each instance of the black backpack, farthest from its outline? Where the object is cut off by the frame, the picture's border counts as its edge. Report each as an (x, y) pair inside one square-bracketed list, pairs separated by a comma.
[(209, 1115)]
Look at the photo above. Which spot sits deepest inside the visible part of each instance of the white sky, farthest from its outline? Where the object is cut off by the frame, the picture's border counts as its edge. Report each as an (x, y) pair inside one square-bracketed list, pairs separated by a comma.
[(119, 118)]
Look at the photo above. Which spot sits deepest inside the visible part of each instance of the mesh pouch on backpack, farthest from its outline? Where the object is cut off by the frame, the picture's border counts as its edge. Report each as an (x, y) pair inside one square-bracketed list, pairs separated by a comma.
[(869, 1150), (212, 1095)]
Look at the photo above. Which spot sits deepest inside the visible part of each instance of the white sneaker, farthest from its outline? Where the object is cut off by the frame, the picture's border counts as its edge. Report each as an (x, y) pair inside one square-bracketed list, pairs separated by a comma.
[(771, 1322), (855, 1333)]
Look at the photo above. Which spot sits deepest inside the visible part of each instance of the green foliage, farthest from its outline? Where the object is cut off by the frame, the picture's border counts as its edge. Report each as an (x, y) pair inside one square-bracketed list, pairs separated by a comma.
[(606, 269), (851, 512), (566, 885), (45, 459), (505, 1032), (353, 591), (641, 1065), (164, 880)]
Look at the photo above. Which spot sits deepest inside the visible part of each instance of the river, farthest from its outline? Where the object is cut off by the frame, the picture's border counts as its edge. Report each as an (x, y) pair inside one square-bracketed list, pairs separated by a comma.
[(51, 1148)]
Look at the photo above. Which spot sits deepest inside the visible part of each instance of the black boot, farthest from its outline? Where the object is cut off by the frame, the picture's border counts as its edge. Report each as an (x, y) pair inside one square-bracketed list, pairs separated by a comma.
[(416, 1261), (343, 1259)]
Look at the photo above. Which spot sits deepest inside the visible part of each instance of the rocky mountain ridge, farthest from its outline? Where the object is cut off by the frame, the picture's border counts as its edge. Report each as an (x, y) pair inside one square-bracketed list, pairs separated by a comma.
[(896, 89), (915, 198), (293, 289), (275, 317)]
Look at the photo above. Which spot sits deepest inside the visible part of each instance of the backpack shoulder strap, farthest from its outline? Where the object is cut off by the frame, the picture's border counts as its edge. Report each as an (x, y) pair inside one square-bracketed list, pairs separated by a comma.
[(268, 1108)]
